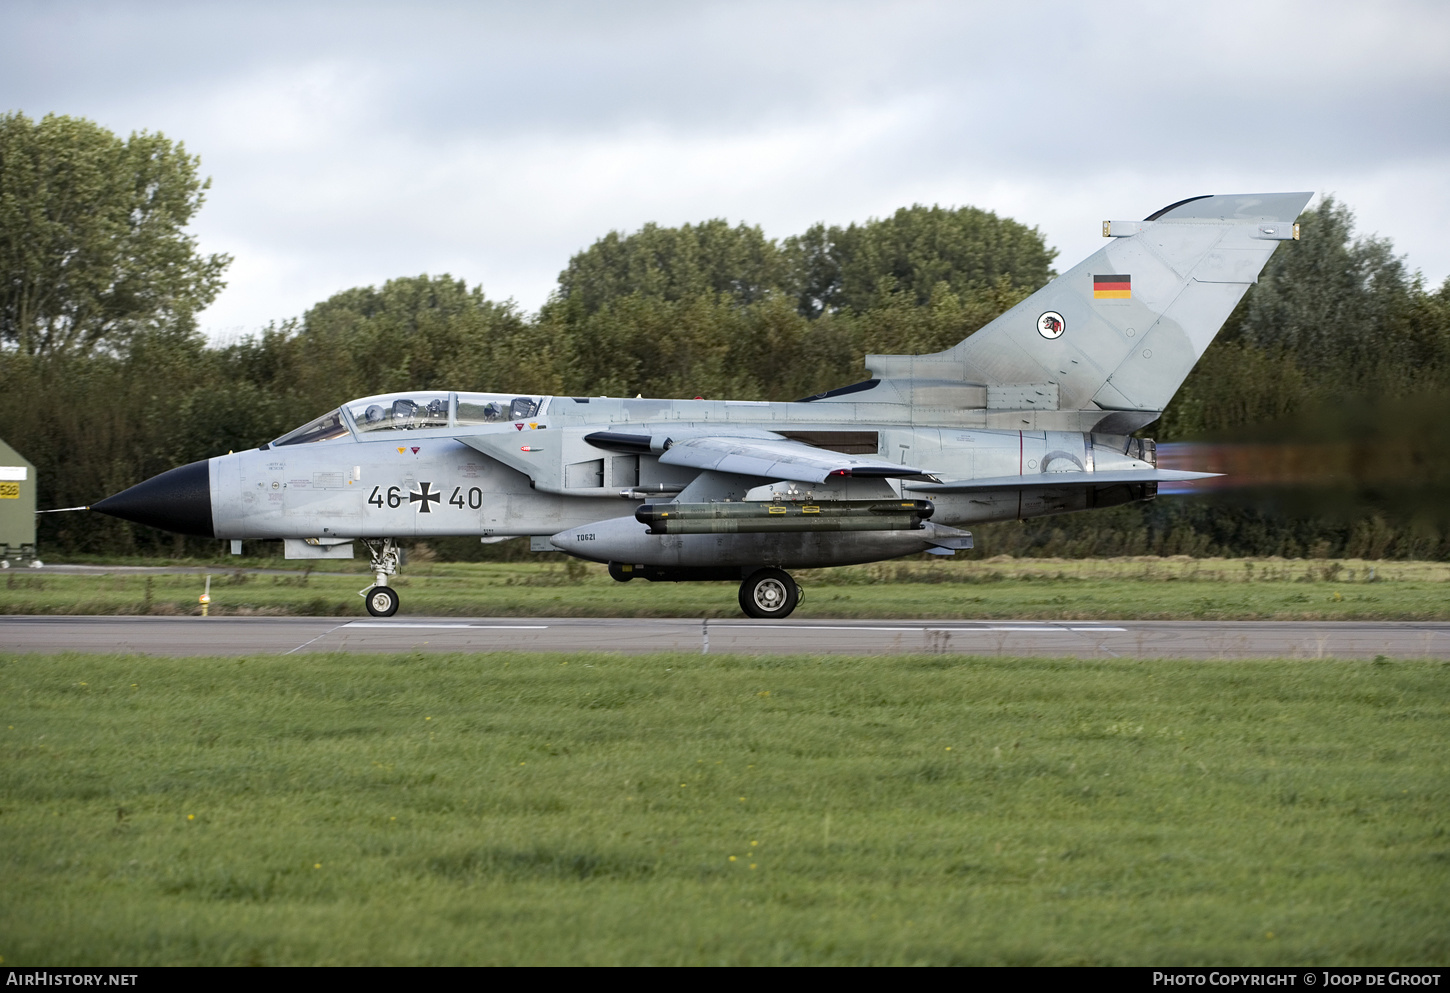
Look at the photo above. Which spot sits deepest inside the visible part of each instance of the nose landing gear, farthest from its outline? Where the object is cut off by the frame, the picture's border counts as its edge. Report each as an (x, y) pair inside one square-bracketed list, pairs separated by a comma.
[(382, 599)]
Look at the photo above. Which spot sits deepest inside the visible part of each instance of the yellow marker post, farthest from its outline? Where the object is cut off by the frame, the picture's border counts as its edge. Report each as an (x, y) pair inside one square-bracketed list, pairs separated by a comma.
[(205, 598)]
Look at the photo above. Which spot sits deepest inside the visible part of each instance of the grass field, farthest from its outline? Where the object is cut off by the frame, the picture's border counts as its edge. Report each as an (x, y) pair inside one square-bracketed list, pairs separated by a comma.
[(1130, 588), (680, 809)]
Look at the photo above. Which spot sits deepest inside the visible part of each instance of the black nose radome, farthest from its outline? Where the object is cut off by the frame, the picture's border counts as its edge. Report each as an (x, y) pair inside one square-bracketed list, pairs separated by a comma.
[(176, 500)]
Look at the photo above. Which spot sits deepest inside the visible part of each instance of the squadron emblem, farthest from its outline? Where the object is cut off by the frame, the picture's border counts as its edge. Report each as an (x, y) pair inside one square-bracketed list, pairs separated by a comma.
[(1051, 325)]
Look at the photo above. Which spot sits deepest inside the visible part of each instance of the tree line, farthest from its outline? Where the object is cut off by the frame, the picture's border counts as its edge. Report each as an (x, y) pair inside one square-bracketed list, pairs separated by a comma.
[(108, 381)]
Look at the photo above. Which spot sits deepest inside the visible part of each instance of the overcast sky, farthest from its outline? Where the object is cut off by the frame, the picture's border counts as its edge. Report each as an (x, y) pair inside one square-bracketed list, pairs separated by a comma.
[(350, 143)]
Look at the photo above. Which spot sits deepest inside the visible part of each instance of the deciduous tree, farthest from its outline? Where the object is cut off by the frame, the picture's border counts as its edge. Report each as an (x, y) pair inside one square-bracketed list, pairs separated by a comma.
[(93, 247), (907, 256)]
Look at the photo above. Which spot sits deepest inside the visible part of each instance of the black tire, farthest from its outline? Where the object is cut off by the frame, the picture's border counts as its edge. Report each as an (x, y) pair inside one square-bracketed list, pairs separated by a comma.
[(769, 594), (617, 573), (382, 601)]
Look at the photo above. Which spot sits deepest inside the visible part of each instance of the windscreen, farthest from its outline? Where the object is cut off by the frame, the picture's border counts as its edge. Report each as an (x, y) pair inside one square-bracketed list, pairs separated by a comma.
[(325, 428)]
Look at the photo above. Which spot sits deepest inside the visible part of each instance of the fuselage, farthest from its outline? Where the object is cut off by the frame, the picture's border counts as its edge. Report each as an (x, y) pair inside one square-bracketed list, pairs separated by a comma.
[(413, 477)]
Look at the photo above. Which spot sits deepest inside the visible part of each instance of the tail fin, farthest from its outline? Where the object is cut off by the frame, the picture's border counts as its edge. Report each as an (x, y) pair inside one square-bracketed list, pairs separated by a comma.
[(1121, 330)]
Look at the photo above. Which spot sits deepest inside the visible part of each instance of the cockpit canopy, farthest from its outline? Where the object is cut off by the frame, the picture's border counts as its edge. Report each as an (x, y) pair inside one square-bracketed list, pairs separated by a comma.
[(413, 411), (401, 412)]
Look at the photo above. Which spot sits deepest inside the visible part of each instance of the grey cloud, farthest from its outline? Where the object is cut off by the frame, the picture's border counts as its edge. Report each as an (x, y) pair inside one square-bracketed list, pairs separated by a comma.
[(728, 65), (338, 133)]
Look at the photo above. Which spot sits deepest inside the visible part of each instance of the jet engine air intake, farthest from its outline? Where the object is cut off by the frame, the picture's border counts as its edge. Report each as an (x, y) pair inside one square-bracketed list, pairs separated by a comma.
[(751, 517)]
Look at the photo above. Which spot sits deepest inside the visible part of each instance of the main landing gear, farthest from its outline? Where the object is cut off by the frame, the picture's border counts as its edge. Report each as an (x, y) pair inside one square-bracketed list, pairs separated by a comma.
[(381, 599), (769, 594)]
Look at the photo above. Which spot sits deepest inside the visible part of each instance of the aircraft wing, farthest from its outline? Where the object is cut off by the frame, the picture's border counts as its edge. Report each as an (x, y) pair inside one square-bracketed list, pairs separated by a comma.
[(1056, 479), (776, 459)]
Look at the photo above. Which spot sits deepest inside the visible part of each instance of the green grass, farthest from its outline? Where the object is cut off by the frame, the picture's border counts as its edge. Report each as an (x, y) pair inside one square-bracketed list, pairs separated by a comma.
[(1140, 588), (585, 810)]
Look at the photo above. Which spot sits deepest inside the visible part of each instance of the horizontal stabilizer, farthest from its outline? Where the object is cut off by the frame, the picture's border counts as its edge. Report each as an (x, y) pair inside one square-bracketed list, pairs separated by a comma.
[(1056, 479)]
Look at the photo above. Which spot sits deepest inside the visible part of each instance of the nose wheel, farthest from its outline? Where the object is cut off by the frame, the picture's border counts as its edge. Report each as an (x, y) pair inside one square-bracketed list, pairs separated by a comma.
[(769, 594), (382, 601)]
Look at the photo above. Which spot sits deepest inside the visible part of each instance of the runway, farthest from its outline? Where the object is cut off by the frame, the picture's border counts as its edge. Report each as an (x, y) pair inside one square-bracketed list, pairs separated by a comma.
[(1067, 639)]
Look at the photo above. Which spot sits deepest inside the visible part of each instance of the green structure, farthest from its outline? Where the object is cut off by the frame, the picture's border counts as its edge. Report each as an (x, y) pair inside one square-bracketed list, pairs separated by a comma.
[(17, 509)]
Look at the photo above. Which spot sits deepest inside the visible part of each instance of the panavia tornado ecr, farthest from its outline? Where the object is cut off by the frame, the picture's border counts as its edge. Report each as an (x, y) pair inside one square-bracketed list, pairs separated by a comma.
[(1034, 414)]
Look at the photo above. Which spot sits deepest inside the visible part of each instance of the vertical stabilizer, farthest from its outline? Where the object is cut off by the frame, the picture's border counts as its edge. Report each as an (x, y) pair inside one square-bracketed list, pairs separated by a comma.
[(1122, 330)]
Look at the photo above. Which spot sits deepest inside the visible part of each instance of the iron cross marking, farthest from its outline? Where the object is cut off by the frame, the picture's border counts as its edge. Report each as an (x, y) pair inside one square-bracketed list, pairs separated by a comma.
[(427, 496)]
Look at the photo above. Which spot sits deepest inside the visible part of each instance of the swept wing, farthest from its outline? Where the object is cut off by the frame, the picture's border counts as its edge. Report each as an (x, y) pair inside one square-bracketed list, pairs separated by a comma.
[(777, 460)]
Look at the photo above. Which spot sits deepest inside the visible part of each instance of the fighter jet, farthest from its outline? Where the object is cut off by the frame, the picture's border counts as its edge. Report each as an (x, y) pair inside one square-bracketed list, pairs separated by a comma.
[(1033, 414)]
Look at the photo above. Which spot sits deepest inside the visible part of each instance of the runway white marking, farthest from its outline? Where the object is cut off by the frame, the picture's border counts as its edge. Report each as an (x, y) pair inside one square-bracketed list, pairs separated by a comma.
[(309, 641), (449, 627), (803, 627), (855, 627)]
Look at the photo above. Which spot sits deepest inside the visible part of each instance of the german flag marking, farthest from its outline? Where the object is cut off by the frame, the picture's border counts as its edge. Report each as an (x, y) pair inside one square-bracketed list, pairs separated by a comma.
[(1118, 287)]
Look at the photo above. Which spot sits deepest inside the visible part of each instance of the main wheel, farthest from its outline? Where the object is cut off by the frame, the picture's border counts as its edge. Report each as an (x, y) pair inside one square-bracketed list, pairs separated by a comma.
[(382, 601), (621, 573), (769, 594)]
